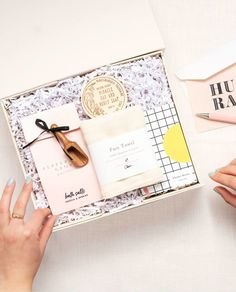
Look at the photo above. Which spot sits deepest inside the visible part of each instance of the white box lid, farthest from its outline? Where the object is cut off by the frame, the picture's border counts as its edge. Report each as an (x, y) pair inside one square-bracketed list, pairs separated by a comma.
[(44, 40)]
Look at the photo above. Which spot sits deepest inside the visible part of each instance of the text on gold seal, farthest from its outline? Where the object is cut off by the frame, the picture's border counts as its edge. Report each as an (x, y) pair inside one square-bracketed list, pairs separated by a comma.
[(103, 95)]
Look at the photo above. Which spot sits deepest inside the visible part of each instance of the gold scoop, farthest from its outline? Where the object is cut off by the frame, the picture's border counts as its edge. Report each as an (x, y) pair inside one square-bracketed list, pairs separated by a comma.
[(72, 149)]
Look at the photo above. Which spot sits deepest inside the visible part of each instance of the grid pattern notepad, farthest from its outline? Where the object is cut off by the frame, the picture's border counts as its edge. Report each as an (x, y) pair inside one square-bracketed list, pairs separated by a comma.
[(176, 174)]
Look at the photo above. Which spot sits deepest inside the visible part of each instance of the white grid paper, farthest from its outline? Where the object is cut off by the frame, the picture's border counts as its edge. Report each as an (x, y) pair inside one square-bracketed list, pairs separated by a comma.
[(158, 121)]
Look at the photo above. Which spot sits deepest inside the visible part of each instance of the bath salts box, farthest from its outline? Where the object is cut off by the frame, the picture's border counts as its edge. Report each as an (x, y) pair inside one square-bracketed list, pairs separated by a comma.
[(113, 35)]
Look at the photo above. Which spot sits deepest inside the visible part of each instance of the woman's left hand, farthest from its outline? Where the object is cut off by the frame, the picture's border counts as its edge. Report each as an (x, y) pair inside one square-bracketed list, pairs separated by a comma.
[(22, 244)]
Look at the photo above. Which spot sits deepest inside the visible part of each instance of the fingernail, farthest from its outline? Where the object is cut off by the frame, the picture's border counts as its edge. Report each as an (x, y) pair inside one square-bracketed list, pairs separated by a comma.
[(27, 179), (215, 190), (213, 172), (10, 181)]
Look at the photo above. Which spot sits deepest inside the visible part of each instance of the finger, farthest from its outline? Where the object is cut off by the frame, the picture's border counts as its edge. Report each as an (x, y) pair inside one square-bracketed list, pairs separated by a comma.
[(226, 195), (37, 219), (229, 169), (224, 179), (46, 231), (22, 201), (5, 201), (233, 162)]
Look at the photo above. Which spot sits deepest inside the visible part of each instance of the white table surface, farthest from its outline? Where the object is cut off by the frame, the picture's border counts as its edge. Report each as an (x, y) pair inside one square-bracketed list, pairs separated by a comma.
[(182, 243)]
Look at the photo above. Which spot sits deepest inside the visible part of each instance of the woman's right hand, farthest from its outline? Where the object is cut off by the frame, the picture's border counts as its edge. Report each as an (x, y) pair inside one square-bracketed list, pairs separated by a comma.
[(226, 177)]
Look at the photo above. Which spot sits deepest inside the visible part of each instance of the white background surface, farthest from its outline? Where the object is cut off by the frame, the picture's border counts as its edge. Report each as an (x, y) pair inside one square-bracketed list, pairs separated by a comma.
[(183, 243)]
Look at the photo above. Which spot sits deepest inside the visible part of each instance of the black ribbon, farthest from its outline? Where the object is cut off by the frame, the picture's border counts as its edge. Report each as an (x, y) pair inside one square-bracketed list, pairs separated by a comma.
[(43, 125)]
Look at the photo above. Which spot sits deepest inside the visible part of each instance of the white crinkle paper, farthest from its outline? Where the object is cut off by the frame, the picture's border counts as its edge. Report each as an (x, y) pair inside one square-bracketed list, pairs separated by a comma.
[(146, 84)]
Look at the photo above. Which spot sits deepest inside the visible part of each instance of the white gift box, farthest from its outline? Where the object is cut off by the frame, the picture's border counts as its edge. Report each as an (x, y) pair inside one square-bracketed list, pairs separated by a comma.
[(132, 35)]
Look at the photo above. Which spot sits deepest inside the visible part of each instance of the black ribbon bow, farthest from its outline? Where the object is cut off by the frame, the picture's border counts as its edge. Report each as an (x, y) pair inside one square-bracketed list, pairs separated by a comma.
[(43, 125)]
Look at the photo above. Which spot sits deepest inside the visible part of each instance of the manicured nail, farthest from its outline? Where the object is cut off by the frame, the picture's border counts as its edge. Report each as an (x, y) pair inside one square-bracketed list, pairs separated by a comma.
[(215, 190), (213, 172), (27, 179), (10, 181)]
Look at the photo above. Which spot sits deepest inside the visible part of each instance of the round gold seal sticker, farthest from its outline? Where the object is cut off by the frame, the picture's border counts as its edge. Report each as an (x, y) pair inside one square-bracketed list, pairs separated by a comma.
[(103, 95)]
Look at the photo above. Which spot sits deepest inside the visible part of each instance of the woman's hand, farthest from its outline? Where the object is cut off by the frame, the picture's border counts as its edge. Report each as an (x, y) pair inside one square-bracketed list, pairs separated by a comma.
[(226, 176), (22, 244)]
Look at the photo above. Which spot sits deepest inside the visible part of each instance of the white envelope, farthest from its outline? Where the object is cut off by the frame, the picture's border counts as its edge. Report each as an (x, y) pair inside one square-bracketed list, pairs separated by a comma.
[(210, 64), (211, 84)]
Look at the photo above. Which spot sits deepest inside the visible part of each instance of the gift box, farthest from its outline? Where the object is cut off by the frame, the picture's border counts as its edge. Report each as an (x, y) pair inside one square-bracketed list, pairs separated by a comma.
[(135, 59)]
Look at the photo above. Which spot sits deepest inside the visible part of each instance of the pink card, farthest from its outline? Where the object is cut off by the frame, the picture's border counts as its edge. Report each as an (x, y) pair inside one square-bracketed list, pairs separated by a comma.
[(211, 86), (66, 187), (213, 94)]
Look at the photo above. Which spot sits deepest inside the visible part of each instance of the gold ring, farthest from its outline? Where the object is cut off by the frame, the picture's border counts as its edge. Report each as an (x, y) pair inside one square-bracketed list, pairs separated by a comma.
[(17, 216)]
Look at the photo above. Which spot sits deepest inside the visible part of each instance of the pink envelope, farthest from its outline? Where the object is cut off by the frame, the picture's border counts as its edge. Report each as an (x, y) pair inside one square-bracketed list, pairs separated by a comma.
[(211, 84), (66, 187)]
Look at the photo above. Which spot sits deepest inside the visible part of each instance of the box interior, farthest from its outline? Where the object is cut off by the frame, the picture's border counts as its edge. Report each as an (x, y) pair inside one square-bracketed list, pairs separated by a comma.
[(145, 80)]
